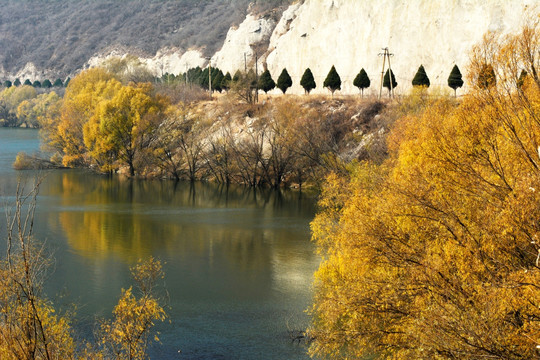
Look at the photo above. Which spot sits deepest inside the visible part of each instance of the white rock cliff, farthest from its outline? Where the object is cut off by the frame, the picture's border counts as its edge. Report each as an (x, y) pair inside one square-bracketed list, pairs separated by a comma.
[(351, 33)]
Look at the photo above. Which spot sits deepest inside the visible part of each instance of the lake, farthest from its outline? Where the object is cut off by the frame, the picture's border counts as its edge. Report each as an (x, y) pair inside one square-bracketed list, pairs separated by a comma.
[(238, 261)]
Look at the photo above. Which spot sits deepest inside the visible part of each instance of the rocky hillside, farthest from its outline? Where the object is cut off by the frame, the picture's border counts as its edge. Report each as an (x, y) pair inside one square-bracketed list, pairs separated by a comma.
[(55, 38)]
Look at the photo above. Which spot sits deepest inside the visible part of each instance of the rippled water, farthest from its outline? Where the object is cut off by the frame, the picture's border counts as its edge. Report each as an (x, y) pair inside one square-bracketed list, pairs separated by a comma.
[(239, 262)]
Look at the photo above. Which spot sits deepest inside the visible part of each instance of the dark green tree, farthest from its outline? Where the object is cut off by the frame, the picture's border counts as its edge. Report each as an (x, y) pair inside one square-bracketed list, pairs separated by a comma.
[(386, 81), (284, 81), (36, 84), (217, 79), (17, 82), (7, 84), (308, 81), (167, 78), (46, 84), (455, 80), (203, 78), (266, 83), (486, 77), (237, 76), (58, 83), (421, 78), (226, 82), (361, 81), (27, 82), (332, 81), (66, 83)]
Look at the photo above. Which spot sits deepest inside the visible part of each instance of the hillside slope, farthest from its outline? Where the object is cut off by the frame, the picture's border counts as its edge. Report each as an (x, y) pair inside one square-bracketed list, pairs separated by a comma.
[(59, 37)]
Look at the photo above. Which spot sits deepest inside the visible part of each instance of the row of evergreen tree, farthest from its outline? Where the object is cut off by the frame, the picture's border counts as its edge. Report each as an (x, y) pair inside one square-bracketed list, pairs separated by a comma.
[(265, 82), (222, 82), (37, 84)]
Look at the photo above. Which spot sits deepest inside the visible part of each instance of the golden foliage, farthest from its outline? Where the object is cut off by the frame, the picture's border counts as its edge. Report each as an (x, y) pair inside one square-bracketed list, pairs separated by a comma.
[(434, 254), (127, 335), (30, 327)]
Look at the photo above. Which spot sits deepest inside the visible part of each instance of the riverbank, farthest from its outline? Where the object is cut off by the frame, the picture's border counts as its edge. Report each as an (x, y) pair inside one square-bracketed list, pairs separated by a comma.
[(286, 141)]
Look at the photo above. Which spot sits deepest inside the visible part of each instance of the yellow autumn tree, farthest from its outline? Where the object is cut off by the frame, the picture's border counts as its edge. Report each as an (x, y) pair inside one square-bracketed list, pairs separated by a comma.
[(126, 336), (435, 253), (123, 127), (34, 112), (65, 132)]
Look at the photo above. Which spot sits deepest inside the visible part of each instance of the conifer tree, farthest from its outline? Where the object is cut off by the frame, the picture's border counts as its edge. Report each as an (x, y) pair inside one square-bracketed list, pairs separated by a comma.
[(237, 76), (7, 84), (332, 81), (386, 81), (46, 84), (36, 84), (17, 82), (66, 83), (58, 83), (361, 81), (266, 83), (284, 81), (27, 82), (308, 81), (217, 79), (455, 79), (421, 78), (226, 82)]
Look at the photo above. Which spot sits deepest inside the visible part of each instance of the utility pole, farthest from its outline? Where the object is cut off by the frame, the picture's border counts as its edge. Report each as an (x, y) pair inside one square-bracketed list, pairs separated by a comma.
[(382, 72), (210, 77), (386, 54), (256, 79), (248, 90)]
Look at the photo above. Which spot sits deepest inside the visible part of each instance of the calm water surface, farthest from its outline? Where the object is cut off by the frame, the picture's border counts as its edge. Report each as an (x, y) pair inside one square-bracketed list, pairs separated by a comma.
[(239, 263)]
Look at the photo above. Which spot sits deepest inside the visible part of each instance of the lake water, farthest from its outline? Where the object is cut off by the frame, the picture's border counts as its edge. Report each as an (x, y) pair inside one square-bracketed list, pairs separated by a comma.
[(238, 262)]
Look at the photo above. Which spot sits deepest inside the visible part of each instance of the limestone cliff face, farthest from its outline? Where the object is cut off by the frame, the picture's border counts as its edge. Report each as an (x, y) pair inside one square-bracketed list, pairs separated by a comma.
[(241, 44), (351, 33)]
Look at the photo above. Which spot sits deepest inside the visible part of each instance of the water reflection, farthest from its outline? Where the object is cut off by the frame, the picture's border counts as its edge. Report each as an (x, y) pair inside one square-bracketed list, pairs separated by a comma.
[(132, 219)]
